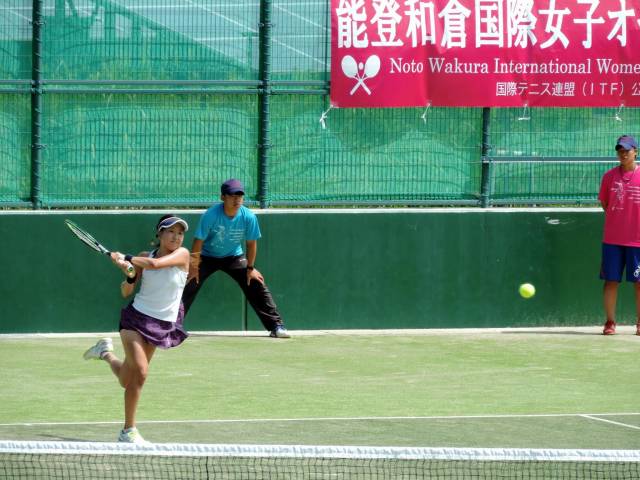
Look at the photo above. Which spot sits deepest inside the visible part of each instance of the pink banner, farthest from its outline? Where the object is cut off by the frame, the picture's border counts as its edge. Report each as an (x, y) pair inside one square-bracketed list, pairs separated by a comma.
[(483, 53)]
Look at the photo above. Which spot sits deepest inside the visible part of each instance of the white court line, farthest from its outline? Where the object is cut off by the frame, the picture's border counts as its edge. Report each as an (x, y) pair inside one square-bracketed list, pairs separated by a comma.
[(224, 17), (19, 15), (183, 6), (282, 35), (222, 5), (225, 39), (275, 41), (210, 40), (300, 17), (332, 419), (317, 60), (595, 330), (635, 427), (183, 34)]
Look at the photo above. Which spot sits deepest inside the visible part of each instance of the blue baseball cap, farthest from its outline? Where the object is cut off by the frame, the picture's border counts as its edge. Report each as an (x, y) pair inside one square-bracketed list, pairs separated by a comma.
[(626, 142), (231, 187)]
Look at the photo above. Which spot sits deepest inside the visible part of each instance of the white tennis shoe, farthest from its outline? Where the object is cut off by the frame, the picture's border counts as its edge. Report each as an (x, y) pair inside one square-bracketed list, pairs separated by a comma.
[(132, 435), (104, 346), (279, 332)]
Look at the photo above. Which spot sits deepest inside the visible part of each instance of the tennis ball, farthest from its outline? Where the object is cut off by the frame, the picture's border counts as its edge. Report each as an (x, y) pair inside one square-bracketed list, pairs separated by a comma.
[(527, 290)]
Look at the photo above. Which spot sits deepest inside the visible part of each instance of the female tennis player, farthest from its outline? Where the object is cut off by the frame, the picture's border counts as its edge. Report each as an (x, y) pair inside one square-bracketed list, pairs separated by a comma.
[(154, 317)]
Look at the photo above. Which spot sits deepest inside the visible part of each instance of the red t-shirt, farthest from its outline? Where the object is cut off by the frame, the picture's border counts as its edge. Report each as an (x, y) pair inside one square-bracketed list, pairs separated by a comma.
[(620, 191)]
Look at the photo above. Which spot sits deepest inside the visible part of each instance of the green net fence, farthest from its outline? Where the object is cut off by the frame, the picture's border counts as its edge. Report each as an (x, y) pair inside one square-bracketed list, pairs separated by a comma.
[(137, 149), (149, 40), (554, 154), (156, 102), (372, 155), (15, 171)]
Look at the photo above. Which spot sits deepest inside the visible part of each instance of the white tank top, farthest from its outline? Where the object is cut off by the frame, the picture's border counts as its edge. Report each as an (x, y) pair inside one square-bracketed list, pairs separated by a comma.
[(160, 292)]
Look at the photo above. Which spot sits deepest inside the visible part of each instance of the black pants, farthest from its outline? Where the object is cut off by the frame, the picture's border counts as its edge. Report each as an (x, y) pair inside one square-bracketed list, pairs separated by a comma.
[(257, 294)]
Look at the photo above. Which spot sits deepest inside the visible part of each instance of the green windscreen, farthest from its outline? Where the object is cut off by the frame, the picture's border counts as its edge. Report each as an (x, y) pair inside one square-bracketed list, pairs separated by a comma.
[(169, 149), (15, 172), (150, 40), (554, 153), (372, 155)]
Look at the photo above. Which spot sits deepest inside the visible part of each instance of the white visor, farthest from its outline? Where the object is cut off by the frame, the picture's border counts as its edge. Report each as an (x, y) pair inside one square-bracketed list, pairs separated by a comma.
[(170, 222)]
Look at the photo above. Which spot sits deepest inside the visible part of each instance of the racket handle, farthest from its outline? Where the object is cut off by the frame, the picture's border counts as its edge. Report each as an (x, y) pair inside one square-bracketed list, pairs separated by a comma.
[(131, 271)]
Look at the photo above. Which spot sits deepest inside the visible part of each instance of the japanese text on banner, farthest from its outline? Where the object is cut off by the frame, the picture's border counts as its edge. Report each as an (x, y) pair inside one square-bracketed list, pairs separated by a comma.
[(567, 53)]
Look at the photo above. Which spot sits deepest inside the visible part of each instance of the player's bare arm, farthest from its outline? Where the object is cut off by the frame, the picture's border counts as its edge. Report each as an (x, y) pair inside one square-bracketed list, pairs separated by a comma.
[(178, 258), (128, 286)]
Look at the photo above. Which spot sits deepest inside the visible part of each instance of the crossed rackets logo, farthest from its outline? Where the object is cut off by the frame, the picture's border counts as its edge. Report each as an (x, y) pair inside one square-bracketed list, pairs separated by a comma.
[(360, 71)]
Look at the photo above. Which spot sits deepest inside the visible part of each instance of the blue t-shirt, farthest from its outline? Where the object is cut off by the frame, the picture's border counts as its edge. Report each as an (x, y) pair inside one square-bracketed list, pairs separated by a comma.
[(223, 236)]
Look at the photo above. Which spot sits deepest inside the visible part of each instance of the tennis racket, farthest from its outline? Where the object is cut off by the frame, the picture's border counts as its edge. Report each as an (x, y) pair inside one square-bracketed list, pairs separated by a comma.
[(91, 242)]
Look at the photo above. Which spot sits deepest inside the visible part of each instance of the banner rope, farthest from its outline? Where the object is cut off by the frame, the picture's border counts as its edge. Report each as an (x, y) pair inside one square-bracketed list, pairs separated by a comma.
[(323, 117), (617, 117), (424, 115), (525, 113)]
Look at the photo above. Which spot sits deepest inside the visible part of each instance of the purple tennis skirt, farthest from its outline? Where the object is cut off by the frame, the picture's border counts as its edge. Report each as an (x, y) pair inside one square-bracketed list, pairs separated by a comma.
[(157, 332)]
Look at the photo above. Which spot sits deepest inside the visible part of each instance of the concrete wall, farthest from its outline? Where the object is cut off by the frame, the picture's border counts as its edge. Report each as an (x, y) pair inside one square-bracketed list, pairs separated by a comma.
[(328, 269)]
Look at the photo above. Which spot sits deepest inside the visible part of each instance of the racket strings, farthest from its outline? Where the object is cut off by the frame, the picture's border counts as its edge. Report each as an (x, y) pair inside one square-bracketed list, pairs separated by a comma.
[(86, 238)]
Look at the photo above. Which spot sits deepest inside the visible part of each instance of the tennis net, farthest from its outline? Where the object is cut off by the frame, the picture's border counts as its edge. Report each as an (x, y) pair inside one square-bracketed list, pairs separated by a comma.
[(86, 460)]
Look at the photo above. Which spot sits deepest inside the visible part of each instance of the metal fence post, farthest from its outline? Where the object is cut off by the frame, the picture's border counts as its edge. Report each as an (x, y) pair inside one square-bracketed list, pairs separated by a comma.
[(36, 102), (264, 143), (485, 185)]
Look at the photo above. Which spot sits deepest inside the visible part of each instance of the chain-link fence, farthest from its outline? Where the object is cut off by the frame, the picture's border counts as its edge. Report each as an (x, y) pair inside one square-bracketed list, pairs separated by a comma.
[(156, 102)]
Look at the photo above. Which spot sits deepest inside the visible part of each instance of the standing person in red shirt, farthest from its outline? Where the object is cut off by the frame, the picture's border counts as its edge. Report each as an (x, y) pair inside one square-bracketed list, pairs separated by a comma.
[(620, 199)]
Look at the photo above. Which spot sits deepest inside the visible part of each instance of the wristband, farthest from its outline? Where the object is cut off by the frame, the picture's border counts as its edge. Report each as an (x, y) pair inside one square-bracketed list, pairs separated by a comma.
[(250, 267), (127, 258), (132, 279)]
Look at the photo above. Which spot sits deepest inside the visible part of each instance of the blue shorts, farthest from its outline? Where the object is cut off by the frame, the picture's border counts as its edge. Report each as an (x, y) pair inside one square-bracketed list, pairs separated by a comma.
[(614, 260)]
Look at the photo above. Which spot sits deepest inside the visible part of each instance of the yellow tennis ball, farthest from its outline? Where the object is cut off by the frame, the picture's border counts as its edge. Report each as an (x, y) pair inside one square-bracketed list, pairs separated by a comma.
[(527, 290)]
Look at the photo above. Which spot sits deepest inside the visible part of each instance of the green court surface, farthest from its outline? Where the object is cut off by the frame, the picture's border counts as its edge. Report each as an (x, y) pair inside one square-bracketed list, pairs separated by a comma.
[(487, 388)]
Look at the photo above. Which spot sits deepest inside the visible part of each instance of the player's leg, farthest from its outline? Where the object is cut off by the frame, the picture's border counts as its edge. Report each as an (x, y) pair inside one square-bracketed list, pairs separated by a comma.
[(637, 290), (610, 300), (115, 363), (633, 275), (259, 297), (208, 266), (133, 371), (613, 261)]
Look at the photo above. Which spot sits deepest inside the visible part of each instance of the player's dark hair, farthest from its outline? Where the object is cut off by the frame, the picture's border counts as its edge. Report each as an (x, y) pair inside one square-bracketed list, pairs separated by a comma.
[(156, 242), (162, 218)]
